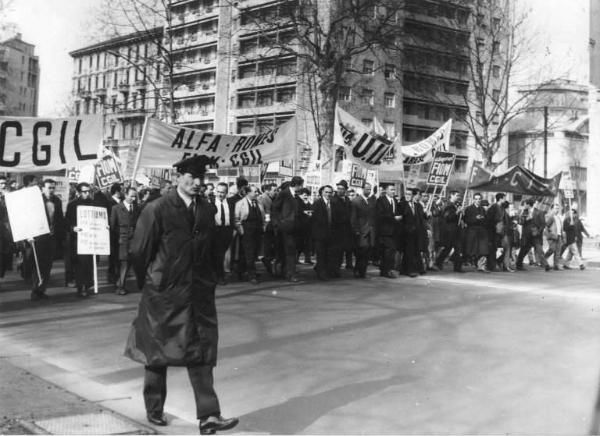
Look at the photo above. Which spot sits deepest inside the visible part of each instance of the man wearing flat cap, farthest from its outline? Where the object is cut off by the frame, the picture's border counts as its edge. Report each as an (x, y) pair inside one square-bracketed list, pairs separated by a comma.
[(176, 324)]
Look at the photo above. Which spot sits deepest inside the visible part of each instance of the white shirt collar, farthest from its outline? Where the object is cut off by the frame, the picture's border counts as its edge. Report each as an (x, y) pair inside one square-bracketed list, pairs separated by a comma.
[(187, 199)]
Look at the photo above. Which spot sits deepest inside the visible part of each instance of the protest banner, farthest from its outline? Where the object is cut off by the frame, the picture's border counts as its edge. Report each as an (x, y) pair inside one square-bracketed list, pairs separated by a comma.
[(30, 144), (441, 168), (93, 236), (27, 217), (358, 176), (163, 144), (72, 174), (566, 184), (424, 151), (361, 144), (107, 172)]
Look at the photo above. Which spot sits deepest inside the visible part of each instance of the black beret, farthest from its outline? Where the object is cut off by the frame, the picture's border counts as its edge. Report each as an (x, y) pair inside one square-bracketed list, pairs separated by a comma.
[(195, 165), (342, 183)]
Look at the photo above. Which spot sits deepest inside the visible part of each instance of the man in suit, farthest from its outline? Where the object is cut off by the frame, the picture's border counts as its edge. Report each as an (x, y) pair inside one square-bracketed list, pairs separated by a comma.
[(554, 235), (343, 228), (388, 217), (372, 202), (116, 197), (237, 256), (450, 234), (413, 220), (533, 224), (269, 191), (321, 232), (362, 228), (250, 223), (46, 246), (122, 225), (495, 225), (224, 220), (285, 216)]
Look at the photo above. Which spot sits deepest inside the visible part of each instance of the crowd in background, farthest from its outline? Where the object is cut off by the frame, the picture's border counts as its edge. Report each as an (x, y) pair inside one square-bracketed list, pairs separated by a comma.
[(342, 228)]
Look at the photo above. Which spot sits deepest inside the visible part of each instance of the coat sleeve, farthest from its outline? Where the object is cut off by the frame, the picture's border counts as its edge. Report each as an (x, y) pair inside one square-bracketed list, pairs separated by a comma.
[(145, 242)]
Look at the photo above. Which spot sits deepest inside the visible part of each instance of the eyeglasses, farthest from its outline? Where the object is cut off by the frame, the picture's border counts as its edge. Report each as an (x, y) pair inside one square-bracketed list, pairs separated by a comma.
[(85, 192)]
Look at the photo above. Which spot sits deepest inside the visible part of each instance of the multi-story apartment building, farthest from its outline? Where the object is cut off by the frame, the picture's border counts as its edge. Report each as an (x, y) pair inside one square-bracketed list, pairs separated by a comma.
[(19, 78), (593, 173), (121, 80)]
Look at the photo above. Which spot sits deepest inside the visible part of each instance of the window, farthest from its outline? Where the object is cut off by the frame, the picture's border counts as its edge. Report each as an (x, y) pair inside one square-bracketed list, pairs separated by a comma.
[(389, 71), (496, 95), (245, 127), (264, 98), (496, 71), (368, 96), (345, 93), (460, 165), (246, 100), (496, 119), (389, 99), (286, 95), (368, 66)]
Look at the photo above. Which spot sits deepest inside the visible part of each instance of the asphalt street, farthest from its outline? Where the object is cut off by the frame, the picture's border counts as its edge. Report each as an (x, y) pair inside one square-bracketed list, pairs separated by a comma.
[(443, 353)]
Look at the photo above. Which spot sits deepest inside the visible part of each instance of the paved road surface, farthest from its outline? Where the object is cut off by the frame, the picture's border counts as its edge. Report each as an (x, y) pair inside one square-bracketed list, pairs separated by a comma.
[(443, 353)]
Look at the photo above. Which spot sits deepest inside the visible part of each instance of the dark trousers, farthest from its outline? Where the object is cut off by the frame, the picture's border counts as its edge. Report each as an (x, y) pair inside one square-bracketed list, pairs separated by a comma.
[(326, 253), (526, 246), (250, 242), (456, 256), (554, 250), (269, 243), (362, 259), (69, 260), (289, 254), (387, 252), (44, 247), (113, 260), (123, 269), (411, 259), (201, 378), (492, 249), (84, 271), (223, 237)]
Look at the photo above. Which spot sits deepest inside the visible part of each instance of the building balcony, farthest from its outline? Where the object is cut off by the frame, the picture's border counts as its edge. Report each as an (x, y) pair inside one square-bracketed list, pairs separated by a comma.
[(123, 87), (197, 65), (259, 110), (271, 79), (140, 84), (195, 39), (198, 89), (100, 92), (192, 117), (84, 93)]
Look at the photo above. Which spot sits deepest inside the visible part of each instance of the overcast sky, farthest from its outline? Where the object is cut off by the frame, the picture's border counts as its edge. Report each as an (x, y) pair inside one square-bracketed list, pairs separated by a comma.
[(59, 26)]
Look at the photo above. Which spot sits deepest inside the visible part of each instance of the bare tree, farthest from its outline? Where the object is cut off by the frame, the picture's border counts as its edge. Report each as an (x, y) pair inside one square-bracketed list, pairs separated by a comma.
[(326, 39), (150, 20), (6, 25)]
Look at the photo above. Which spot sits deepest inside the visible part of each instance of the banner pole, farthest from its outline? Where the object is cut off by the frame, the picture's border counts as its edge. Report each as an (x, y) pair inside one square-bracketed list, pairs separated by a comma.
[(139, 151), (37, 264), (95, 275)]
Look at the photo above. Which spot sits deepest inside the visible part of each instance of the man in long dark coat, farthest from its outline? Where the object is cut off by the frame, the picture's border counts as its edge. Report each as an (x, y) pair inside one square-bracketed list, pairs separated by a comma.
[(322, 222), (413, 220), (361, 219), (176, 323), (123, 217), (450, 234), (476, 235), (388, 217)]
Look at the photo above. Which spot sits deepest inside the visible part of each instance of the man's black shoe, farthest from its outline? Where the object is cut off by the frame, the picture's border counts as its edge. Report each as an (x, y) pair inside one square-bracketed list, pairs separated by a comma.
[(156, 419), (293, 279), (547, 268), (212, 424), (556, 268), (521, 268), (38, 296), (121, 291), (413, 274)]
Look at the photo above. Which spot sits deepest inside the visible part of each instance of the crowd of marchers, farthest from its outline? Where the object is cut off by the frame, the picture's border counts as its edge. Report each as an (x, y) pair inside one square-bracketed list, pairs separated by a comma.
[(340, 229)]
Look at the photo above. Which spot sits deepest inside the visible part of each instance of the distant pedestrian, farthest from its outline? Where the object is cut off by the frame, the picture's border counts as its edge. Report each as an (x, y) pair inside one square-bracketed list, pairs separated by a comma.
[(123, 218)]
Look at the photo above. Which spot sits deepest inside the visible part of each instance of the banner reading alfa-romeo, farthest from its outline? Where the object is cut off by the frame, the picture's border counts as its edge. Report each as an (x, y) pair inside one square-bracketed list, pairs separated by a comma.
[(164, 144), (48, 144), (424, 151)]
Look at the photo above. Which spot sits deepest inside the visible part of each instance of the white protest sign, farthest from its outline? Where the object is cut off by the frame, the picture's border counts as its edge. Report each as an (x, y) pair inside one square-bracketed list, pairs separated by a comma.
[(566, 184), (94, 236), (26, 213), (164, 144), (30, 144)]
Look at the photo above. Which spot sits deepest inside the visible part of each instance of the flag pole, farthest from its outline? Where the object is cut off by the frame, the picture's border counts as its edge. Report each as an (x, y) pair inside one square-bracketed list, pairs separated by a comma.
[(139, 151)]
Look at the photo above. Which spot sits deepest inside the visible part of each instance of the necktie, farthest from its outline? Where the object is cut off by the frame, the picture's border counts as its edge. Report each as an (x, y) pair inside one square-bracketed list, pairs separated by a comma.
[(254, 205), (192, 210), (328, 213), (393, 205), (222, 215)]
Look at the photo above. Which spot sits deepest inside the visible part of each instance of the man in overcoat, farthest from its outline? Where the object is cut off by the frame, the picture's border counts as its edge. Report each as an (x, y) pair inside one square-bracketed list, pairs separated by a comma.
[(322, 221), (250, 224), (361, 219), (176, 324), (388, 217), (533, 223), (413, 220), (450, 234), (476, 235), (123, 217)]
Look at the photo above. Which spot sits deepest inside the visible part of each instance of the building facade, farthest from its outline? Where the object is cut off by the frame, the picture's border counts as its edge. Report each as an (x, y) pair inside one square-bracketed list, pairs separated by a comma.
[(121, 80), (19, 78), (566, 104), (593, 176)]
